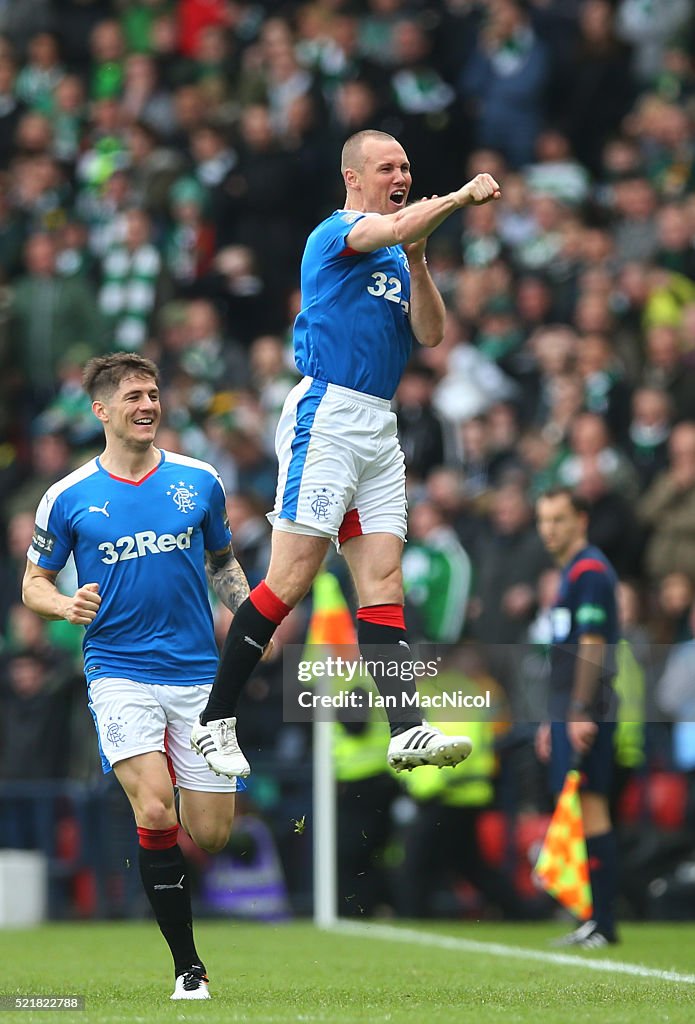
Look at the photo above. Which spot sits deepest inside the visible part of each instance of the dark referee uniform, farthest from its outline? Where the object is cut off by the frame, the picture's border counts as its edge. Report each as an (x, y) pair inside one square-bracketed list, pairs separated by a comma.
[(586, 605)]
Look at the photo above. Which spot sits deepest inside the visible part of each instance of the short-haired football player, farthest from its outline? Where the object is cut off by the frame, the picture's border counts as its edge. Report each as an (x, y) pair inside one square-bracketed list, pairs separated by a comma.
[(367, 295)]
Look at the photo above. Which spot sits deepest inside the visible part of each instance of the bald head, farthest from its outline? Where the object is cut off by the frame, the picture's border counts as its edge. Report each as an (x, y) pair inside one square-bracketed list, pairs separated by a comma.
[(376, 173), (353, 150)]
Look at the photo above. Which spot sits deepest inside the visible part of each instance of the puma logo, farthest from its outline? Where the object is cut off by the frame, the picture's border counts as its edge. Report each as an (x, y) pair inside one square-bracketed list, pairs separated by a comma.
[(95, 508), (253, 643), (179, 884)]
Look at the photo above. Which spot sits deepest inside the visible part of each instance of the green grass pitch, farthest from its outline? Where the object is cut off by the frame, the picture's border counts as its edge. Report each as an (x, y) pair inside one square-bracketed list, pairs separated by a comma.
[(284, 973)]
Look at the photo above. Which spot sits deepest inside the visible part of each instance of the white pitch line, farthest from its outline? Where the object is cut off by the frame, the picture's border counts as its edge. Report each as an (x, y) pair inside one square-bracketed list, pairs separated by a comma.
[(392, 934)]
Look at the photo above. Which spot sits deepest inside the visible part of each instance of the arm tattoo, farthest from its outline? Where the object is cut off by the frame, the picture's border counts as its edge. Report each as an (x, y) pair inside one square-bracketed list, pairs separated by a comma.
[(227, 579)]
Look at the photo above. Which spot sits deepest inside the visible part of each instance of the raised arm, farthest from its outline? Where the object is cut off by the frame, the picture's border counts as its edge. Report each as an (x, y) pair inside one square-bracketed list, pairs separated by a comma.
[(419, 220), (226, 578), (40, 594)]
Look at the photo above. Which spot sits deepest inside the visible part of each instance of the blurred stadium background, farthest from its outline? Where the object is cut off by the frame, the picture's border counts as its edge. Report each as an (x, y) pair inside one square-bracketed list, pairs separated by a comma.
[(161, 163)]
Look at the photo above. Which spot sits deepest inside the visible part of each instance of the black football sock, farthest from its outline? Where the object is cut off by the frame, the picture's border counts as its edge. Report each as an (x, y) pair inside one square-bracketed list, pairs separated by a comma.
[(165, 880), (384, 645), (253, 625), (603, 869)]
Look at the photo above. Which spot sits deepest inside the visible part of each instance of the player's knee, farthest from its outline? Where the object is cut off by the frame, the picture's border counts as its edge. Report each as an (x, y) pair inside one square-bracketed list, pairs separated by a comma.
[(390, 576), (381, 586), (212, 839), (294, 562), (291, 587), (154, 813)]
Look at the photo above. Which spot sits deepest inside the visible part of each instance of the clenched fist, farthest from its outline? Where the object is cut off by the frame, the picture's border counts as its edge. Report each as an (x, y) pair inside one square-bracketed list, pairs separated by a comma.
[(479, 190), (83, 607)]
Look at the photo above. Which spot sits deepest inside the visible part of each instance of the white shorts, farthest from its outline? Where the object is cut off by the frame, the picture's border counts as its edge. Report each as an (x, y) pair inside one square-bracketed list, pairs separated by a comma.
[(136, 718), (341, 466)]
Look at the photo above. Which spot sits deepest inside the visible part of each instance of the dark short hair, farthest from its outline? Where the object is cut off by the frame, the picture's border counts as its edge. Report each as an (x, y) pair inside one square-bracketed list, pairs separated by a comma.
[(102, 375), (578, 503)]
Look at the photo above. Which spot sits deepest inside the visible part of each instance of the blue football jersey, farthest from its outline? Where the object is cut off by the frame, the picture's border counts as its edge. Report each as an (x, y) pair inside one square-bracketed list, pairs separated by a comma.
[(353, 328), (144, 544)]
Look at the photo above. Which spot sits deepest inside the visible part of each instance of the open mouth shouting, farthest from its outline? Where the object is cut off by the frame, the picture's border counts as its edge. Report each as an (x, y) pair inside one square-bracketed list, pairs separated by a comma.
[(397, 197)]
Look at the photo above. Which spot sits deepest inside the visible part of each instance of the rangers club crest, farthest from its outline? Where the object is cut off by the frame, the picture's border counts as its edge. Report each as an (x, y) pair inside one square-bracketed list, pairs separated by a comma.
[(114, 731), (322, 503), (182, 495)]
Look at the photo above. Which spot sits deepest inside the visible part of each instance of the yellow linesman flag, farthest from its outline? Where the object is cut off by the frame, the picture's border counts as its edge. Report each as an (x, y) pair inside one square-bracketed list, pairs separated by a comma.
[(563, 866)]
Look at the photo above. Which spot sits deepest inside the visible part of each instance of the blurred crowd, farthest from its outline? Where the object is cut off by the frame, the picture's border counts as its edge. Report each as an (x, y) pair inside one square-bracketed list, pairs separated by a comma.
[(161, 163)]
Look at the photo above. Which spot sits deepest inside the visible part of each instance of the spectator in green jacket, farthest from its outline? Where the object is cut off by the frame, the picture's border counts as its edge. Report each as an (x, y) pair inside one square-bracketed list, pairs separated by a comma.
[(50, 314), (437, 576)]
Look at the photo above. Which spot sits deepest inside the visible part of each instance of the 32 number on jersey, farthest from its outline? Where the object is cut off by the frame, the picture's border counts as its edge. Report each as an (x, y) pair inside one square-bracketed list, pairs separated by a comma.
[(388, 287)]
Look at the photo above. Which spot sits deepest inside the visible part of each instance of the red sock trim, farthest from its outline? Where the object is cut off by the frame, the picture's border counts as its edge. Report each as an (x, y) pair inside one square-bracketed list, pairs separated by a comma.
[(383, 615), (158, 838), (268, 603)]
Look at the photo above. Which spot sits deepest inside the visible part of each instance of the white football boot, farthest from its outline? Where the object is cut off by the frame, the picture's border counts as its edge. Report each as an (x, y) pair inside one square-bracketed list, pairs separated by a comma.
[(218, 744), (423, 744), (192, 984)]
